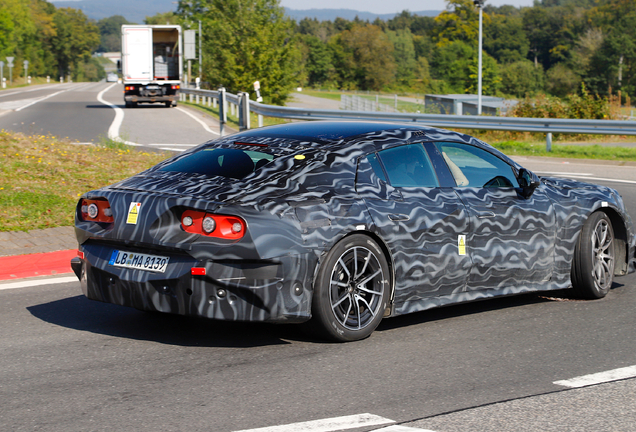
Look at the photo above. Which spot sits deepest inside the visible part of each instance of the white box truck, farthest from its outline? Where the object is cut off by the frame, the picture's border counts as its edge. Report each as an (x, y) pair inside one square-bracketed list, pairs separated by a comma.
[(151, 64)]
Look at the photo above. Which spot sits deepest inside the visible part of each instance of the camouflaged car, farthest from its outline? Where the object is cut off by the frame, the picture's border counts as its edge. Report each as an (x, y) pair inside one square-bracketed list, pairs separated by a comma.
[(342, 224)]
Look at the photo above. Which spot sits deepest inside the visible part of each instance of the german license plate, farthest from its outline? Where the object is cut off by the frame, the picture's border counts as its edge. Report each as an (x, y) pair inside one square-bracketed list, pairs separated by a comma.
[(139, 261)]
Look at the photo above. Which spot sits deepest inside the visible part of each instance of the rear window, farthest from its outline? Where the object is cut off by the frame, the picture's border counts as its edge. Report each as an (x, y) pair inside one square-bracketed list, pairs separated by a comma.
[(223, 162)]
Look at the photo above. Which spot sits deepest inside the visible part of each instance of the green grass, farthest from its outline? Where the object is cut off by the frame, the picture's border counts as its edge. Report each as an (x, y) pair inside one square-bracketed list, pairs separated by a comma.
[(41, 177), (597, 152), (333, 95)]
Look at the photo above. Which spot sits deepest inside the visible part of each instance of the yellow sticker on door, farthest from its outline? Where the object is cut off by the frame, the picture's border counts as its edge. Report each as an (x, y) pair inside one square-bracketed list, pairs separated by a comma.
[(461, 244), (133, 213)]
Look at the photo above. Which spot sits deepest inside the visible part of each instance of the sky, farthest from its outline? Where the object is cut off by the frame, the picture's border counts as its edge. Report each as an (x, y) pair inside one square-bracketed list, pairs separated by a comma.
[(384, 6)]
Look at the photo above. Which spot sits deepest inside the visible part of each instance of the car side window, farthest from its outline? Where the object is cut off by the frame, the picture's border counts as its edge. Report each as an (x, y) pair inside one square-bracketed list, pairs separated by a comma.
[(408, 166), (475, 167)]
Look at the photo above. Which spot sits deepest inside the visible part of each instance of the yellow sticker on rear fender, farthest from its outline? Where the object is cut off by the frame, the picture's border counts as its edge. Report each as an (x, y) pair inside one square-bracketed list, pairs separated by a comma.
[(461, 244), (133, 213)]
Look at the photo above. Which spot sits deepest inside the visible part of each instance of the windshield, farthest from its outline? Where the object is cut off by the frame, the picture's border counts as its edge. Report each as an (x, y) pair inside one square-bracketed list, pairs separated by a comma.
[(223, 162)]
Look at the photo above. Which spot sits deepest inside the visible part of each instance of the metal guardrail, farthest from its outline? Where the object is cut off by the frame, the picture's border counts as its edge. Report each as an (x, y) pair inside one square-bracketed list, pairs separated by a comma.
[(518, 124)]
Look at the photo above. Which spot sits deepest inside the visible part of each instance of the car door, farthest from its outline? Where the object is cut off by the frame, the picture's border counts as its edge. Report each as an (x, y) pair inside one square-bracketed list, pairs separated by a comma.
[(512, 235), (419, 219)]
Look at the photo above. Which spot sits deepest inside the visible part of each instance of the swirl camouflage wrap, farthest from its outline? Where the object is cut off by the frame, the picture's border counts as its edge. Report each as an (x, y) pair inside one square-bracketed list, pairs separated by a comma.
[(247, 227)]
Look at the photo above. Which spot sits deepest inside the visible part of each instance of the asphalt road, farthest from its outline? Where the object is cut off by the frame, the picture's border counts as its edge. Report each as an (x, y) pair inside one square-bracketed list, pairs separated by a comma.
[(84, 112), (71, 364)]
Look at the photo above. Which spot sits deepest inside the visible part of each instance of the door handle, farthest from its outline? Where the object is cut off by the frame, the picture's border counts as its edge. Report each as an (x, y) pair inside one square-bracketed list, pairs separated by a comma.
[(397, 217)]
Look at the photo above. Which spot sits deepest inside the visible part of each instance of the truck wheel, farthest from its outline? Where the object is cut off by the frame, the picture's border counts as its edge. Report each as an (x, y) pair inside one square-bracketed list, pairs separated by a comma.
[(168, 104), (127, 104)]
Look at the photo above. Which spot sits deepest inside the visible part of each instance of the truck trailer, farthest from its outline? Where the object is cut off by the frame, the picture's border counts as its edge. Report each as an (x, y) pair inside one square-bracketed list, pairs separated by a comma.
[(152, 63)]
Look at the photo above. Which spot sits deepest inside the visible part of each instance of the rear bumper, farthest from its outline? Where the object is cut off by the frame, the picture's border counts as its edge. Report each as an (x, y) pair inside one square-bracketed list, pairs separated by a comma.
[(274, 290), (166, 98)]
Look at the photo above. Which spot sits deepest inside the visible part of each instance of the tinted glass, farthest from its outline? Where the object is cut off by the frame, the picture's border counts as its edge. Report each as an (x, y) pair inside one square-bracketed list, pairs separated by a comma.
[(408, 166), (230, 163), (377, 168), (474, 167)]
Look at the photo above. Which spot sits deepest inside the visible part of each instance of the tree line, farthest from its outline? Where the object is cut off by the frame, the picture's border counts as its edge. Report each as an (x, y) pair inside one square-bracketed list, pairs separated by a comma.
[(56, 42), (555, 47)]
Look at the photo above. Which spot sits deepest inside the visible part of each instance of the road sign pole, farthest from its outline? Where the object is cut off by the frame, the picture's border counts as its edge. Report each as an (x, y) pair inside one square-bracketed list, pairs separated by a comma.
[(10, 61), (2, 73)]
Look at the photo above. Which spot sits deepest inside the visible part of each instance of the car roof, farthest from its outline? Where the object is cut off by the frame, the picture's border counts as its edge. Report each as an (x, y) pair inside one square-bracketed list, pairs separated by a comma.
[(323, 130)]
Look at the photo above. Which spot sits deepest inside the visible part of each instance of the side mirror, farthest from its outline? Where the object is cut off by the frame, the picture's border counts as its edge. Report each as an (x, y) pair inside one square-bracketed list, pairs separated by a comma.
[(528, 182)]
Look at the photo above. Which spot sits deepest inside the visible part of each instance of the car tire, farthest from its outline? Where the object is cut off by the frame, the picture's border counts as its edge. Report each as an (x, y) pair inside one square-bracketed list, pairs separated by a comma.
[(351, 291), (593, 263)]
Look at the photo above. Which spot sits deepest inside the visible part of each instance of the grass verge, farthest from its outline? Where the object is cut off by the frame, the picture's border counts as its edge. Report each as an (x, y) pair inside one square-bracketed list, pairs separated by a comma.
[(41, 177)]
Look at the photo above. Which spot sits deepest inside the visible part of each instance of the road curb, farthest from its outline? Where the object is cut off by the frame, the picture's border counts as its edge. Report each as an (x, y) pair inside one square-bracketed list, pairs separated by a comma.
[(39, 264)]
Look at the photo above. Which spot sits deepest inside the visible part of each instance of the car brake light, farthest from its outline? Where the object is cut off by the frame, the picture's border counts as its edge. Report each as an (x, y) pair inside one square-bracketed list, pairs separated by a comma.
[(213, 225), (176, 87), (197, 271), (97, 210)]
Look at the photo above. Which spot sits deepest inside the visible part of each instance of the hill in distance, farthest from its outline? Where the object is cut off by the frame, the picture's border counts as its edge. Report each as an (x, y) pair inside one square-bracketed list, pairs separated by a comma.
[(136, 11)]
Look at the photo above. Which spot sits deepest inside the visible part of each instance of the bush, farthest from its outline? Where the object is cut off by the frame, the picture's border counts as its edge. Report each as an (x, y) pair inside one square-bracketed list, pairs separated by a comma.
[(573, 106)]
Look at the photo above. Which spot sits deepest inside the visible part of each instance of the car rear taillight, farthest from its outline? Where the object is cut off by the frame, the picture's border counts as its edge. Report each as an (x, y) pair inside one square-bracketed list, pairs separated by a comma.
[(97, 210), (130, 88), (176, 87), (213, 225)]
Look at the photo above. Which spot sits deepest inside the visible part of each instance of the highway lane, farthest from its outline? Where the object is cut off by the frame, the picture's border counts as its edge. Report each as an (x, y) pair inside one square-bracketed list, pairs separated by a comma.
[(66, 110), (74, 111), (72, 364)]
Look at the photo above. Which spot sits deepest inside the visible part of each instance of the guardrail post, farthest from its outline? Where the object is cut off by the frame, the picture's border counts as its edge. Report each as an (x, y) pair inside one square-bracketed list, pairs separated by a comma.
[(548, 142), (244, 111), (222, 110), (260, 120)]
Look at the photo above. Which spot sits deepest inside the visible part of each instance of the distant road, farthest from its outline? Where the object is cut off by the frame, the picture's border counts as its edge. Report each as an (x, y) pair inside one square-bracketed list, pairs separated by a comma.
[(73, 110)]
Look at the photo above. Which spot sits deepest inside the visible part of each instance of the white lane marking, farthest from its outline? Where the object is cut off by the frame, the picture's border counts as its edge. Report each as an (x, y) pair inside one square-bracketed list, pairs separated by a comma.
[(40, 100), (589, 177), (113, 130), (37, 88), (399, 428), (172, 149), (599, 378), (328, 425), (202, 124), (563, 173), (38, 282)]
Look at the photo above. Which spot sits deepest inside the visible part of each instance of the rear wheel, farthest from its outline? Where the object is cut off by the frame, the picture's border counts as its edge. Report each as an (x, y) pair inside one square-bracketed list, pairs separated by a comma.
[(593, 263), (351, 291)]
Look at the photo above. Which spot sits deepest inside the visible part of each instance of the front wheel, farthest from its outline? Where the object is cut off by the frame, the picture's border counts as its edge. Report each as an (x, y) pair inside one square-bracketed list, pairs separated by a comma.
[(593, 263), (351, 291)]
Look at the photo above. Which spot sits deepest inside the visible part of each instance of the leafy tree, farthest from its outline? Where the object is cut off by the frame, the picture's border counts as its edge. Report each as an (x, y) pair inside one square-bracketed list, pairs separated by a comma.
[(110, 33), (163, 19), (76, 38), (562, 80), (451, 63), (318, 61), (404, 55), (459, 22), (505, 39), (614, 62), (246, 41), (522, 78), (370, 53)]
